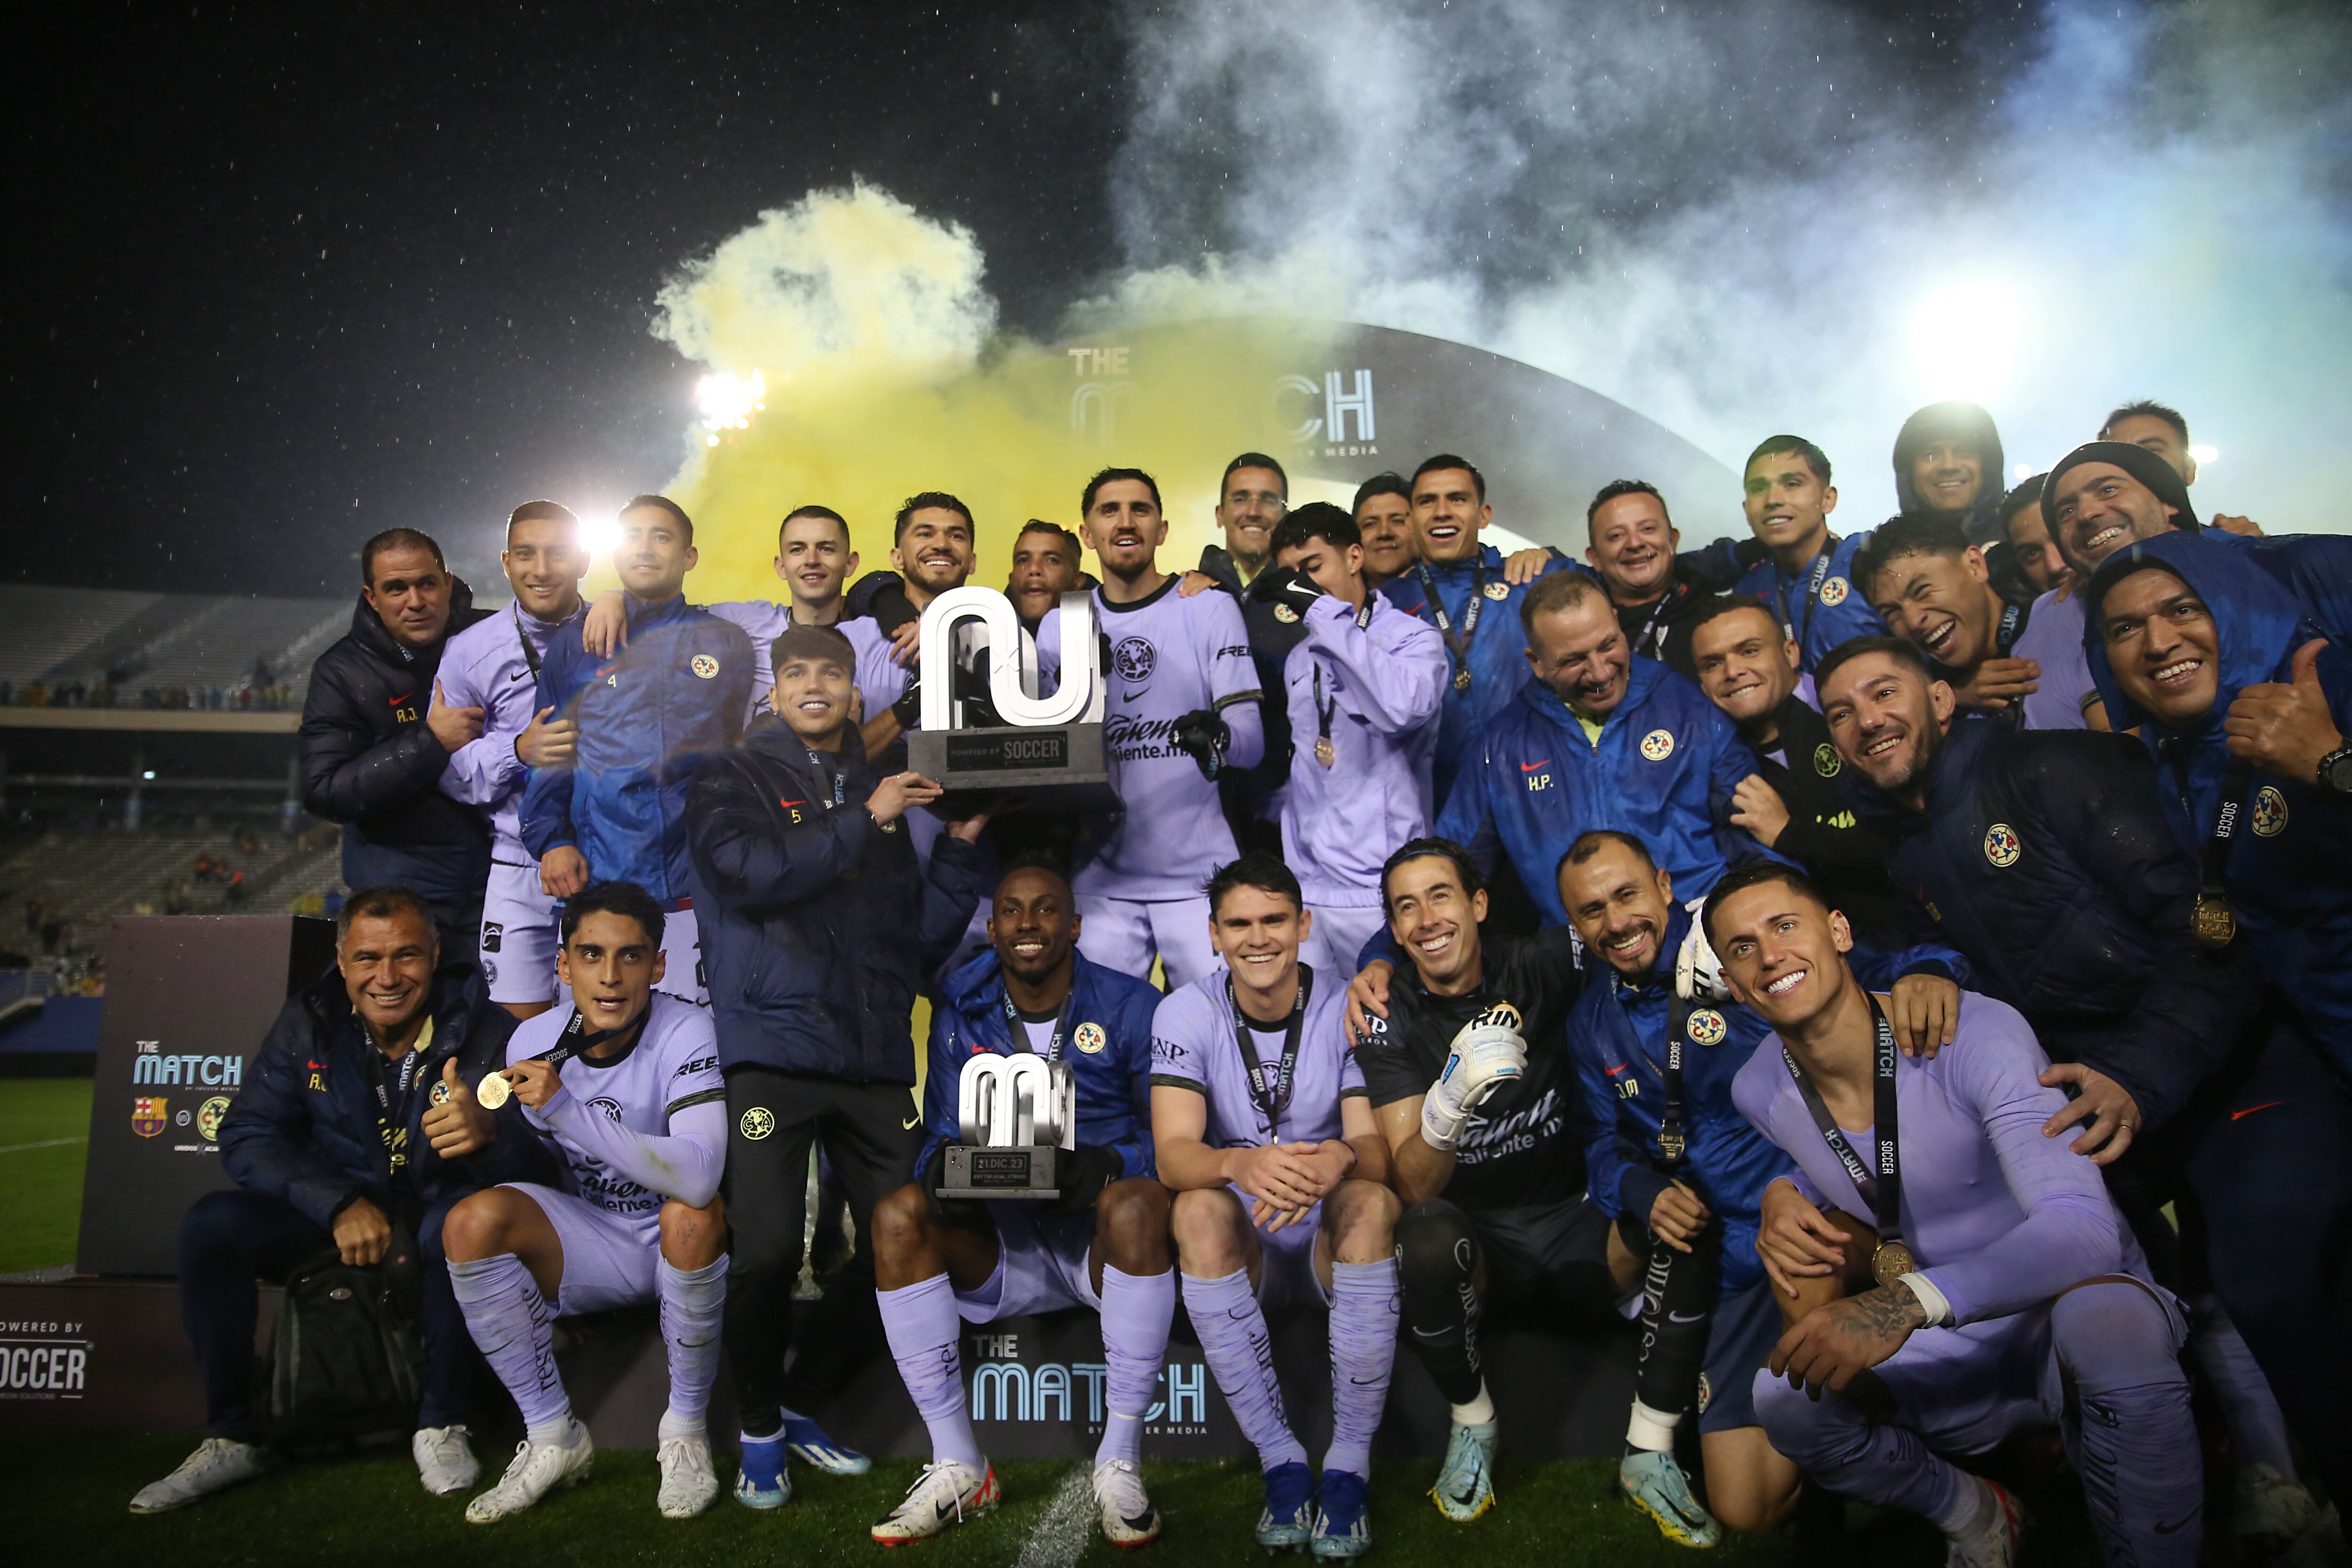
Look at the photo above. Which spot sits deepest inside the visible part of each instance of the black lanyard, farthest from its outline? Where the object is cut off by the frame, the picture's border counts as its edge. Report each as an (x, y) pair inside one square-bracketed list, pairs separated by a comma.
[(822, 771), (1671, 1141), (395, 1143), (2212, 922), (1459, 647), (1272, 1102), (1796, 630), (1882, 1189), (1018, 1033), (530, 654), (2006, 637), (1649, 639)]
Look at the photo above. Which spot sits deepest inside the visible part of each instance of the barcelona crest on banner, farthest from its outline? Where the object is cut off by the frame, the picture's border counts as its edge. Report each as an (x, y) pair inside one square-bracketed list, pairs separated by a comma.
[(147, 1115)]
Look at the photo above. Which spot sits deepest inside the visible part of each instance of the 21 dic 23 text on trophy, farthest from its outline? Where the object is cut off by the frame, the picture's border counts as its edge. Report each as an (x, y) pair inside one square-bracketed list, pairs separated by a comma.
[(1016, 1116), (1048, 753)]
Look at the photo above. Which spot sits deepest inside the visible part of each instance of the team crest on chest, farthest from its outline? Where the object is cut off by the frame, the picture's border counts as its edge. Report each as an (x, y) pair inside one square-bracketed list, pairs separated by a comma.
[(703, 665), (2269, 812), (1134, 659), (1285, 614), (1708, 1027), (1833, 591), (2001, 844), (1658, 745), (758, 1123), (1826, 762), (1090, 1039), (1499, 592)]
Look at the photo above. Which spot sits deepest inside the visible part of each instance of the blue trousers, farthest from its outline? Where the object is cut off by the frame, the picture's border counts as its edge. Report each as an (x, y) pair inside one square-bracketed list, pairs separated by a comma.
[(231, 1241)]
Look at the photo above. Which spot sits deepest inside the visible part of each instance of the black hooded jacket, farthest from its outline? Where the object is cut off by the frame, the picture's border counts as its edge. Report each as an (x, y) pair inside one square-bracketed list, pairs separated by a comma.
[(1954, 421), (1245, 791), (1840, 848)]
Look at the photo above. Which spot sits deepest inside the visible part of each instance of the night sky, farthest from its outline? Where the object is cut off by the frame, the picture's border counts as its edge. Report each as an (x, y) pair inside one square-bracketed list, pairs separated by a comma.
[(280, 283)]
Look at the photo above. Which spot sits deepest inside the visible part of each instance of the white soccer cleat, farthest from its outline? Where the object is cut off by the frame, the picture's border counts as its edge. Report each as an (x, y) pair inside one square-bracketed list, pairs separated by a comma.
[(537, 1470), (1128, 1517), (2272, 1508), (217, 1464), (444, 1462), (1465, 1482), (1991, 1541), (689, 1483), (945, 1493)]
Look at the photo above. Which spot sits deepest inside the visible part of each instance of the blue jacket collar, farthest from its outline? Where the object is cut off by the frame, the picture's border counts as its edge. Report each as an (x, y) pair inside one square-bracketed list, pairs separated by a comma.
[(979, 985), (2260, 623), (661, 614), (1451, 572)]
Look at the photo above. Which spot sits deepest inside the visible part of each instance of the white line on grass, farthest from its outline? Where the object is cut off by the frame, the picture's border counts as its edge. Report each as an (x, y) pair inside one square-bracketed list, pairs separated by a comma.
[(1059, 1538), (44, 1143)]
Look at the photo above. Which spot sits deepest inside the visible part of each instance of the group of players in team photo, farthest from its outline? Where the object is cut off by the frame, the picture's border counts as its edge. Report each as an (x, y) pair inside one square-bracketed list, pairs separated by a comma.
[(1901, 981)]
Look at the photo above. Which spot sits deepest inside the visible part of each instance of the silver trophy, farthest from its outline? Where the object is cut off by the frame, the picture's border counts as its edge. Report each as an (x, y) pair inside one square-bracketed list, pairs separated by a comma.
[(1049, 752), (1015, 1117)]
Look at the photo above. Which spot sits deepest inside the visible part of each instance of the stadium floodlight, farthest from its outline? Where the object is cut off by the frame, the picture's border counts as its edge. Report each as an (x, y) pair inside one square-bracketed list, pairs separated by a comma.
[(727, 402)]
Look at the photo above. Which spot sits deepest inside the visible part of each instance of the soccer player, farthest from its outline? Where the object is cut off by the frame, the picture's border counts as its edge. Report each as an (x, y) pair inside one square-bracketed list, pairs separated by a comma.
[(1259, 1113), (932, 551), (1681, 1172), (1601, 738), (820, 927), (1947, 466), (1365, 684), (1045, 567), (1102, 1243), (1929, 584), (1253, 499), (1467, 1068), (1183, 706), (494, 665), (2247, 712), (1458, 585), (1792, 804), (1807, 575), (2010, 1293), (626, 1086), (1384, 512), (1631, 544), (677, 693), (2065, 697), (374, 743)]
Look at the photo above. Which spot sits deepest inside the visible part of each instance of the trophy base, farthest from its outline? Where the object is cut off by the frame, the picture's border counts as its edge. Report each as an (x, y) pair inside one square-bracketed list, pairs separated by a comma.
[(1060, 768), (1019, 1172)]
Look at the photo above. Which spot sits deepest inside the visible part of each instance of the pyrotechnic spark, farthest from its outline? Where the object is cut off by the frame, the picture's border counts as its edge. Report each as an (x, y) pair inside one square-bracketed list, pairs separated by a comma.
[(727, 402)]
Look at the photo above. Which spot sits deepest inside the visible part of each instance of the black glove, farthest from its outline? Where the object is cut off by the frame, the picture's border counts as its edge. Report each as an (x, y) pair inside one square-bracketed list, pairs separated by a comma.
[(1085, 1173), (1203, 736), (886, 601), (954, 1210), (909, 706), (1286, 585), (972, 689)]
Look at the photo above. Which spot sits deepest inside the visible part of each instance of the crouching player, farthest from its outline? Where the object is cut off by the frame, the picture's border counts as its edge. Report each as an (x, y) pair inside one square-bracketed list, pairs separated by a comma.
[(1264, 1131), (625, 1084), (1103, 1243), (2009, 1292), (1672, 1161)]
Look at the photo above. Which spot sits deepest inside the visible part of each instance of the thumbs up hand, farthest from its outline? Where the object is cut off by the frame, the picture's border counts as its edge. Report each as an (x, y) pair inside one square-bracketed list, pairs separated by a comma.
[(2285, 728), (454, 1123)]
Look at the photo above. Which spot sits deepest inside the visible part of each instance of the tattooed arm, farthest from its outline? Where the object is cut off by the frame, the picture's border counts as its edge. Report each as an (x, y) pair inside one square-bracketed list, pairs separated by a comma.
[(1835, 1342)]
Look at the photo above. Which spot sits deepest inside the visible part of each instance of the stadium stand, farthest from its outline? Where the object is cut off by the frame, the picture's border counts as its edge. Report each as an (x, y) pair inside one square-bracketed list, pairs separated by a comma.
[(93, 648), (60, 890)]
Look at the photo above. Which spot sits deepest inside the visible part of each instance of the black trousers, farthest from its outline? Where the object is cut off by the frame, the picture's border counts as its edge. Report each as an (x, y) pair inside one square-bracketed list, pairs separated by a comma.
[(870, 1135)]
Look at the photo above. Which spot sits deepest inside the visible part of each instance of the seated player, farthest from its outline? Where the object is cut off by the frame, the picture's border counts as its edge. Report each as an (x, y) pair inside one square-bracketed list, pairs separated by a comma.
[(625, 1084), (1266, 1135), (1469, 1077), (1103, 1243), (1672, 1161), (2010, 1291)]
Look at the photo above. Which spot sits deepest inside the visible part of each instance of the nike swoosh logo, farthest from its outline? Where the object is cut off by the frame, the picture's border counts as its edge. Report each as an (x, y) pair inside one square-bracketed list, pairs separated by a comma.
[(1530, 767), (2162, 1528), (1687, 1317), (910, 1124), (2266, 1105), (518, 675)]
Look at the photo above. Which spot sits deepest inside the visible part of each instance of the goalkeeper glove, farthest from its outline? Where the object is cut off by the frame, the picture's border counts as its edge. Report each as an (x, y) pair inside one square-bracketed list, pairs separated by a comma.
[(1487, 1054)]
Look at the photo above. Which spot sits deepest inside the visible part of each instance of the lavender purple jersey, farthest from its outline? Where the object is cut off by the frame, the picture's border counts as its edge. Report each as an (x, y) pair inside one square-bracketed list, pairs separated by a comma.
[(493, 665), (1170, 655), (1367, 699), (1193, 1046), (2053, 639), (2000, 1218), (880, 682)]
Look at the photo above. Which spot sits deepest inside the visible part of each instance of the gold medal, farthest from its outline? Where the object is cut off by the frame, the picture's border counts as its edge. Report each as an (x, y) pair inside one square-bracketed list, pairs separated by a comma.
[(493, 1091), (1462, 678), (1325, 753), (1891, 1262), (1669, 1145), (2211, 924)]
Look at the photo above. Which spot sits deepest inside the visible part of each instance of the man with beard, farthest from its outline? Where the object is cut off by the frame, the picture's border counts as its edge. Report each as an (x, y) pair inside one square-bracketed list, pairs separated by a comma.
[(2044, 857), (1807, 575), (2245, 709), (1252, 500), (675, 694), (2008, 1292), (1791, 804), (1929, 584), (1631, 546), (1183, 706), (373, 742), (1383, 513), (933, 550), (1101, 1243), (2064, 697), (2164, 432), (1600, 738)]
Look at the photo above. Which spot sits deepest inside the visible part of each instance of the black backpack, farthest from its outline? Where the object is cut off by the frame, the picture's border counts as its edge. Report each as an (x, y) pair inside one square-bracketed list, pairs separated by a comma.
[(346, 1356)]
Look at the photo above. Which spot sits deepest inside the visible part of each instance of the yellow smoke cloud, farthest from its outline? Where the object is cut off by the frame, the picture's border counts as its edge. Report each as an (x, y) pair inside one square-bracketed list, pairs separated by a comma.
[(885, 374)]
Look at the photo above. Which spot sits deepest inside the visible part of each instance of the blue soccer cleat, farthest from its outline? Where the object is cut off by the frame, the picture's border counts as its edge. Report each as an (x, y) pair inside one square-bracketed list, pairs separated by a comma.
[(763, 1482), (1288, 1521), (807, 1443), (1654, 1483), (1343, 1523), (1465, 1482)]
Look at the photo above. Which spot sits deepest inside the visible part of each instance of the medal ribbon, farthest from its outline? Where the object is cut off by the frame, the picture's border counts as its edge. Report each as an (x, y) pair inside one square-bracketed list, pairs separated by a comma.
[(1061, 1023), (2213, 924), (1458, 645), (1272, 1102), (1795, 630), (1882, 1189)]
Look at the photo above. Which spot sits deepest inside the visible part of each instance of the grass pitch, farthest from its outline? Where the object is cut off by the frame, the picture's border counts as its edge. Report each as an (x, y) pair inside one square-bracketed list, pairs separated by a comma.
[(44, 1135)]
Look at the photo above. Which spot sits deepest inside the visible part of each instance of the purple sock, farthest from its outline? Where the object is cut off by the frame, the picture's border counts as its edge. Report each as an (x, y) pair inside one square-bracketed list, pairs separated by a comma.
[(1363, 1350), (2257, 1428), (692, 1302), (1224, 1313), (2131, 1440), (1136, 1311), (513, 1327), (921, 1325)]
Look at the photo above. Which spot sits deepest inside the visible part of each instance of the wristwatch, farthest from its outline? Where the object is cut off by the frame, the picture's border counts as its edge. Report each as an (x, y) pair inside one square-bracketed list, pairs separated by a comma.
[(2336, 771)]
